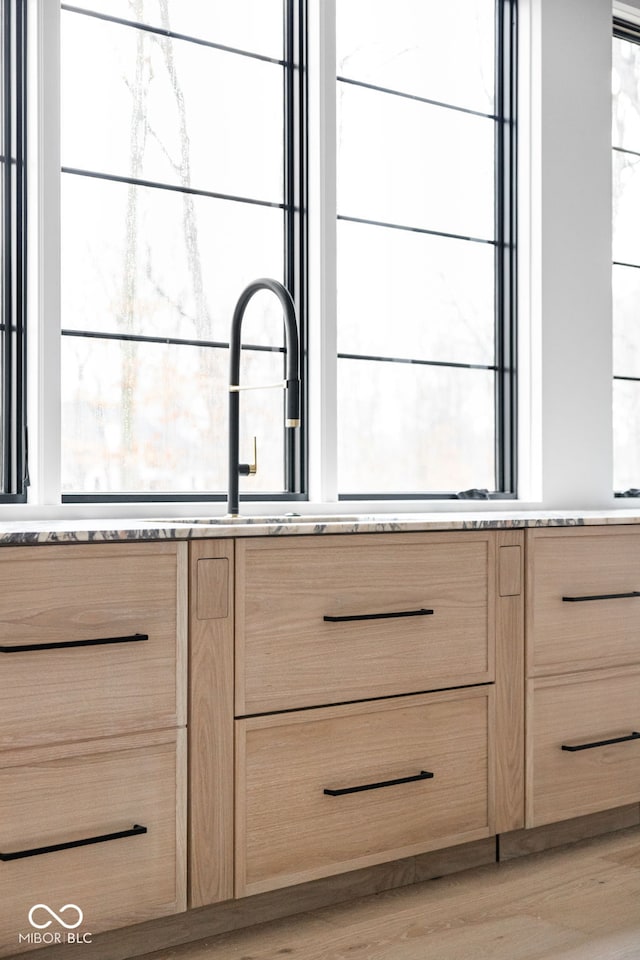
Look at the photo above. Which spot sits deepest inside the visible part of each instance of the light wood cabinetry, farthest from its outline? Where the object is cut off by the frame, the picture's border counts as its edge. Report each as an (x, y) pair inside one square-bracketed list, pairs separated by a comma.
[(332, 789), (354, 701), (317, 666), (583, 665), (351, 618), (585, 744), (583, 598), (211, 722), (125, 796), (102, 621), (93, 708), (362, 660)]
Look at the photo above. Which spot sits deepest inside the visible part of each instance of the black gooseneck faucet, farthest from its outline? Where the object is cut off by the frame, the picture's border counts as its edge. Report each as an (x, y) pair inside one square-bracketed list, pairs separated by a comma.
[(291, 384)]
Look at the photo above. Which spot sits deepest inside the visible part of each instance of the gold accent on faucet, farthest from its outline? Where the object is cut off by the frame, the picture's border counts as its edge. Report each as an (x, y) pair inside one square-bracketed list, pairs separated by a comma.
[(253, 467)]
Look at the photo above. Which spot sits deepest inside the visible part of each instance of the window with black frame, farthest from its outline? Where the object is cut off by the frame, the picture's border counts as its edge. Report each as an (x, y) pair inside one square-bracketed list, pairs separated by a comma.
[(425, 240), (177, 191), (13, 227), (626, 257), (183, 140)]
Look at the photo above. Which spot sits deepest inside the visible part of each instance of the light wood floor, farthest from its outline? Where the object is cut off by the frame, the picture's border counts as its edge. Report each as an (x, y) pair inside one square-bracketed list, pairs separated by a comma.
[(574, 903)]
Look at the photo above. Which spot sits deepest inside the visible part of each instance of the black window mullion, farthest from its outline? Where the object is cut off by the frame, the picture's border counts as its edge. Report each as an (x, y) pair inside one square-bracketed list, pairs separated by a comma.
[(169, 34), (172, 187), (624, 30), (13, 137), (631, 153), (505, 235), (294, 213), (165, 340), (621, 263), (387, 225), (414, 96), (22, 474), (418, 361), (7, 247)]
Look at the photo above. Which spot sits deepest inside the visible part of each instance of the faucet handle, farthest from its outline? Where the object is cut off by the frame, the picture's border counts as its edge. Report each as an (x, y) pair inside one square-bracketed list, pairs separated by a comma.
[(249, 469), (253, 467)]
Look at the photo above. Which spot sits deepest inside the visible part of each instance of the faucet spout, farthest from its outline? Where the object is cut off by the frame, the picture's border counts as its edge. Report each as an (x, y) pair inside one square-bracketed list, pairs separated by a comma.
[(291, 383)]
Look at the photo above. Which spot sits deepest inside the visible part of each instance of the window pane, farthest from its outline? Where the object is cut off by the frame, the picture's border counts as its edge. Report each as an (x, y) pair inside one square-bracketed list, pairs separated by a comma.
[(626, 322), (139, 105), (253, 25), (160, 263), (404, 291), (403, 45), (626, 208), (401, 161), (626, 434), (626, 94), (432, 298), (406, 428), (157, 262), (148, 417)]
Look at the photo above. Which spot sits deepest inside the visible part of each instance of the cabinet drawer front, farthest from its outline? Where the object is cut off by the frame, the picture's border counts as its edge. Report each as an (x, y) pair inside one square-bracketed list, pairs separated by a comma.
[(577, 633), (299, 816), (336, 619), (89, 641), (593, 717), (69, 799)]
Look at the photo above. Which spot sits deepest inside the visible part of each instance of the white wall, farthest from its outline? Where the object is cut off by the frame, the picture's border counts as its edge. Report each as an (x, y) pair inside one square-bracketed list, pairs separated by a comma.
[(626, 8), (569, 241)]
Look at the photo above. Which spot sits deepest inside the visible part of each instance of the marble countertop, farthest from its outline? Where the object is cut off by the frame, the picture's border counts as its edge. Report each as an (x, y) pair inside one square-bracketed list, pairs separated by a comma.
[(20, 533)]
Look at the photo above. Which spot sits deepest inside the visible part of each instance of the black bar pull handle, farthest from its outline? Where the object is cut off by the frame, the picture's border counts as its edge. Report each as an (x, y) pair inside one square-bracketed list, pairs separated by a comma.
[(603, 596), (600, 743), (135, 831), (423, 775), (65, 644), (381, 616)]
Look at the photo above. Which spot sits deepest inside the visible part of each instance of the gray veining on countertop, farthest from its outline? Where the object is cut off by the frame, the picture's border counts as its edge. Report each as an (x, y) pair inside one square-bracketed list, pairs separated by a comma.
[(29, 532)]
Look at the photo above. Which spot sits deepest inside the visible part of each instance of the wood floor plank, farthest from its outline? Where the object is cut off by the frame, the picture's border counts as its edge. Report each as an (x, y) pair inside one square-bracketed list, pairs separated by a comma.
[(578, 905), (580, 902), (627, 858), (472, 939), (495, 889), (622, 946), (521, 843)]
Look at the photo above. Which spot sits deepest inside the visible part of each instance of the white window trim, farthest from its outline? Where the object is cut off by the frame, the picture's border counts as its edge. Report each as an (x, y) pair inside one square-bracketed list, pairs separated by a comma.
[(565, 252), (627, 11), (43, 322), (323, 340)]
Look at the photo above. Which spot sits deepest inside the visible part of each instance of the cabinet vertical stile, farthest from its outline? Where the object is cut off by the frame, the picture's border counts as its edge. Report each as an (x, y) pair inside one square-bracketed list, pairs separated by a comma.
[(211, 724)]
